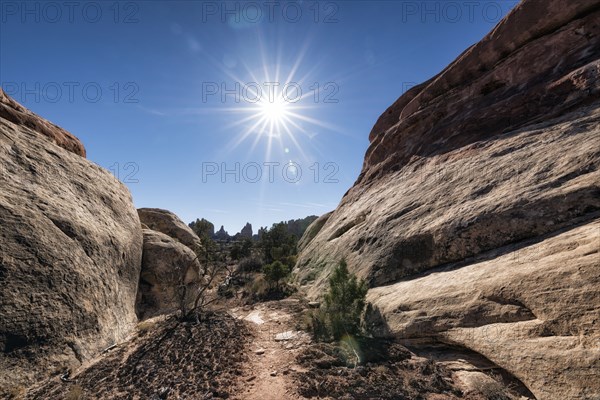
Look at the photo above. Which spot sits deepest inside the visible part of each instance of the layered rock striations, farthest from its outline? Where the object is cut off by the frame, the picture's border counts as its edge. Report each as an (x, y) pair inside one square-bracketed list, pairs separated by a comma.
[(495, 157), (70, 251), (13, 112)]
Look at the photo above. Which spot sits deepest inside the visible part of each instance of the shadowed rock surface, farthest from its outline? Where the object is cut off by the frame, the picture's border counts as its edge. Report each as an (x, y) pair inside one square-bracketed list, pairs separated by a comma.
[(70, 252), (166, 265), (500, 149)]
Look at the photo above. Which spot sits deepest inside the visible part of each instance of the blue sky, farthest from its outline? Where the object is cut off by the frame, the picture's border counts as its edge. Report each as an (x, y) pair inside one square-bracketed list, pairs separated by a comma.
[(184, 100)]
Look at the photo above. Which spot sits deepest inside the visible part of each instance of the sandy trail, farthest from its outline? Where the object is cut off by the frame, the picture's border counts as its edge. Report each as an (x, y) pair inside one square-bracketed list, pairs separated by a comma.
[(272, 353)]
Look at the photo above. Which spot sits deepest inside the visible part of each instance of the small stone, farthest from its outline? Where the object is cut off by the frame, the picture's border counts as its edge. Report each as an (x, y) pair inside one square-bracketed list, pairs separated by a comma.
[(273, 373), (314, 304), (259, 351), (286, 336)]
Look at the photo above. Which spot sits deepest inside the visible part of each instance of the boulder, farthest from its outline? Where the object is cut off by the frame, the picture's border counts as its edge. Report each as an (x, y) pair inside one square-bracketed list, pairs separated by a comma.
[(70, 252), (168, 223), (500, 149), (170, 274), (13, 112)]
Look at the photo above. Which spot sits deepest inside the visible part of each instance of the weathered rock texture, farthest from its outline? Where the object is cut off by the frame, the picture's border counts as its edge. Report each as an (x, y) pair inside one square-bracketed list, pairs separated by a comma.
[(533, 310), (70, 252), (167, 268), (12, 111), (168, 223), (501, 147)]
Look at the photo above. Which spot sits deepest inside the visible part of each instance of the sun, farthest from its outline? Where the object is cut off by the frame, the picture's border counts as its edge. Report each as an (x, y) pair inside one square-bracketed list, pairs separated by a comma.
[(278, 103), (274, 111)]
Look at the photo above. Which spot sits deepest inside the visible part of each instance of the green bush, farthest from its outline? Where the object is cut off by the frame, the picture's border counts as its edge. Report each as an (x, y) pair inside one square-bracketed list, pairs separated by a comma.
[(250, 264), (239, 251), (344, 302), (275, 272), (277, 243)]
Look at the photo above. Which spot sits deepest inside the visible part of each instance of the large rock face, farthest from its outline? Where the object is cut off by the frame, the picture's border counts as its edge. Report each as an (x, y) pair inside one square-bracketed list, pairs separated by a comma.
[(170, 274), (168, 223), (533, 310), (70, 252), (501, 147), (12, 111)]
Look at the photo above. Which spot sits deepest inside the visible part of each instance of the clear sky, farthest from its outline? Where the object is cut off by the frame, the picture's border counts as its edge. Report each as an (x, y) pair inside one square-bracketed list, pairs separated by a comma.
[(231, 111)]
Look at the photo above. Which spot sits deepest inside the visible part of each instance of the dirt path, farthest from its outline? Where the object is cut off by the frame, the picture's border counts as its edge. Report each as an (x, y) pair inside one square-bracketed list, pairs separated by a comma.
[(273, 351)]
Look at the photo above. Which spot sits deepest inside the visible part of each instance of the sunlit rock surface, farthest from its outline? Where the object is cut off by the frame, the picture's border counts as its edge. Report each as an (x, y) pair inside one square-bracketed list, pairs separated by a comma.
[(70, 252), (498, 152)]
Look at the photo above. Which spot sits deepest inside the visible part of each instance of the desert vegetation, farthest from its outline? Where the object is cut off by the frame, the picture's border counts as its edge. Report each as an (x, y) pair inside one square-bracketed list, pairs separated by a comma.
[(340, 313), (253, 267)]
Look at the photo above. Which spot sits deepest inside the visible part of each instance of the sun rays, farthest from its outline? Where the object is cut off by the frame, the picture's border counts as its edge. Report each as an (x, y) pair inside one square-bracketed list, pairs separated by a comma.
[(274, 104)]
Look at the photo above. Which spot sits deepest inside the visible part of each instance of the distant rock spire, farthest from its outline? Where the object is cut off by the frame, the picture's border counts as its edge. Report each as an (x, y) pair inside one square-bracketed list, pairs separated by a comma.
[(246, 231)]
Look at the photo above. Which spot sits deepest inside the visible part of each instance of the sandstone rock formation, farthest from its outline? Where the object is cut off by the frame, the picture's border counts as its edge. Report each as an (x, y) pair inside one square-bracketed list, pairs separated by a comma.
[(246, 231), (312, 230), (203, 227), (12, 111), (222, 234), (168, 223), (533, 310), (70, 251), (501, 147), (167, 265)]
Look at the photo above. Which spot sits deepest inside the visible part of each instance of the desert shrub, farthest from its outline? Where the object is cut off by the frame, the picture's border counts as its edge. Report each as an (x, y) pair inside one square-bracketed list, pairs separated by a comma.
[(259, 288), (193, 304), (290, 261), (493, 390), (315, 322), (239, 251), (145, 326), (344, 302), (250, 264), (277, 242), (275, 272)]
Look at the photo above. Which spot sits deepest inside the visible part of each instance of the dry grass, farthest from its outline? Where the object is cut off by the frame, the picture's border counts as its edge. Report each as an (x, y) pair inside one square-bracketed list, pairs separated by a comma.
[(494, 391), (172, 359), (75, 393), (14, 392), (386, 372)]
